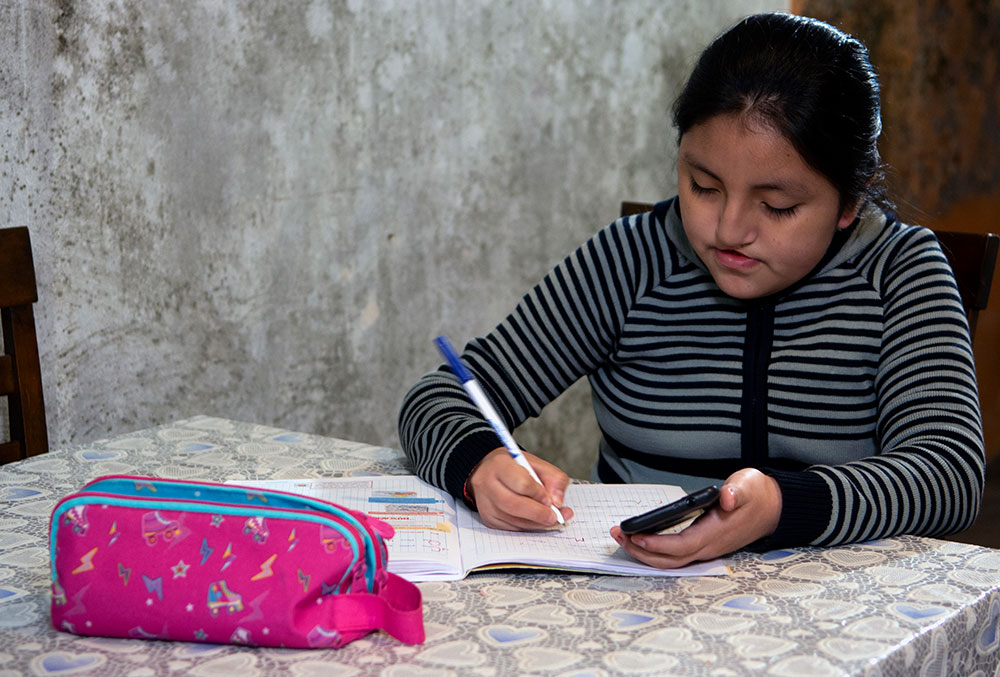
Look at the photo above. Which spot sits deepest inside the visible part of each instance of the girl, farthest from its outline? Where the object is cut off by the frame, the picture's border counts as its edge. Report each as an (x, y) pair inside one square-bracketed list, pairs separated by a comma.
[(770, 325)]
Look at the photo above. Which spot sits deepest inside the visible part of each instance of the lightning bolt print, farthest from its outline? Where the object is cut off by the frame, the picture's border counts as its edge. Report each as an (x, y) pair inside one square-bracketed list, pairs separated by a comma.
[(86, 562), (255, 612), (265, 568), (78, 606), (154, 585), (124, 573), (228, 556), (292, 540), (304, 580), (206, 551)]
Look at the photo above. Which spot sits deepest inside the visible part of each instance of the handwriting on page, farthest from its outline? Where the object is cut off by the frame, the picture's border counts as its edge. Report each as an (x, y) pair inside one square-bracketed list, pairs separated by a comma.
[(587, 535)]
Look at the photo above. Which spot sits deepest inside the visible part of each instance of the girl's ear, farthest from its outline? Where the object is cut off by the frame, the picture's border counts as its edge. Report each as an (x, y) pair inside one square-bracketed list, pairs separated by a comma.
[(849, 214)]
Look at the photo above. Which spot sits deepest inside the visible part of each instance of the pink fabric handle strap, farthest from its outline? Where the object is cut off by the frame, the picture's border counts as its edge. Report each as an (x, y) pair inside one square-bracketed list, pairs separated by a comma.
[(397, 609)]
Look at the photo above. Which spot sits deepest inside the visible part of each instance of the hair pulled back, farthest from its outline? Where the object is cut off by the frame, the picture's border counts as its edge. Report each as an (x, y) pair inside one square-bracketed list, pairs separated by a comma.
[(807, 80)]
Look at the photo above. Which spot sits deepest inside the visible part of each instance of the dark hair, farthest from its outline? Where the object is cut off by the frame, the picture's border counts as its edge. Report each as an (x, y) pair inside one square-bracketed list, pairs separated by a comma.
[(808, 80)]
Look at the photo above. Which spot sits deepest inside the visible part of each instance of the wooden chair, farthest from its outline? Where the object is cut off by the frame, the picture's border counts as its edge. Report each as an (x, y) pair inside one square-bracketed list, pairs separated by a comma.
[(973, 258), (20, 373)]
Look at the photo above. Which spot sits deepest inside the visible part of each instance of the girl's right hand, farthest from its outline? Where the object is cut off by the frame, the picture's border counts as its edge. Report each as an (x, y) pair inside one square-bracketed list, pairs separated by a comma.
[(507, 496)]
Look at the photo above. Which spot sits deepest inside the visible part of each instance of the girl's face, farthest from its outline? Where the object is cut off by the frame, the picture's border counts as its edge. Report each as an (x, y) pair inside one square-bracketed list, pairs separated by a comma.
[(757, 215)]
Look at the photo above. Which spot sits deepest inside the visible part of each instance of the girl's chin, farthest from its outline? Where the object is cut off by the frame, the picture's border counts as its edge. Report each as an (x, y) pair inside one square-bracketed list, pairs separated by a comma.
[(744, 287)]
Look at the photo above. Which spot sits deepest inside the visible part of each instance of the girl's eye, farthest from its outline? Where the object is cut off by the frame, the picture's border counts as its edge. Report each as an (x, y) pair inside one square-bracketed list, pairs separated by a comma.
[(700, 190), (780, 211)]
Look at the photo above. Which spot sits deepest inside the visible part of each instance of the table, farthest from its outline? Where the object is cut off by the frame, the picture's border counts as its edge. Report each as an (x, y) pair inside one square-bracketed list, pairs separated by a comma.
[(900, 606)]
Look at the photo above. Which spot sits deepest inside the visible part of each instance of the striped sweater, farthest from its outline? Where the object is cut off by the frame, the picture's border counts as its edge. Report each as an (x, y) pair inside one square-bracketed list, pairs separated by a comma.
[(855, 388)]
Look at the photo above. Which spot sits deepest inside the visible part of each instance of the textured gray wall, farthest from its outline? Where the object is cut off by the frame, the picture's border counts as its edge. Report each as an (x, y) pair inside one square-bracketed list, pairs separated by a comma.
[(266, 211)]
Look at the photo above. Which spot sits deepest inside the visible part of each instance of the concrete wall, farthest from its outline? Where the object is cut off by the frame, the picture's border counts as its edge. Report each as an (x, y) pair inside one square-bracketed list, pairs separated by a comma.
[(266, 211)]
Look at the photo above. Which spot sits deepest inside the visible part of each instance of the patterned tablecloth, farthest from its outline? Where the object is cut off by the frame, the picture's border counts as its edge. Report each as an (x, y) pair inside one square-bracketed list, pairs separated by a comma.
[(901, 606)]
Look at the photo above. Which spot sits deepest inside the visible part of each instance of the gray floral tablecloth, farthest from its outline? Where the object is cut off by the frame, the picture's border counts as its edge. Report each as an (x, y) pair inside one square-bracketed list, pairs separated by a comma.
[(904, 606)]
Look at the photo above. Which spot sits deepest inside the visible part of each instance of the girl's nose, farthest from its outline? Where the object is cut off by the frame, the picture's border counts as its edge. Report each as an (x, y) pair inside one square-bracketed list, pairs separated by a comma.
[(736, 227)]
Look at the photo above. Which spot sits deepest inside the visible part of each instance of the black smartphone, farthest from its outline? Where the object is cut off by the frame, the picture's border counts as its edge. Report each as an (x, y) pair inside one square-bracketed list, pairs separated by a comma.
[(670, 514)]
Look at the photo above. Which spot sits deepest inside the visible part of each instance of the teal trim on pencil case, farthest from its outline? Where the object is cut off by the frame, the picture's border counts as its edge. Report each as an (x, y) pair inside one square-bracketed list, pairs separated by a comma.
[(193, 506)]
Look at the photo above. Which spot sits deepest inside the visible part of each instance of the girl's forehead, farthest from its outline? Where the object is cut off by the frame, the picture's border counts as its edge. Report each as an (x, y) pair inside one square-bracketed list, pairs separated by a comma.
[(725, 139)]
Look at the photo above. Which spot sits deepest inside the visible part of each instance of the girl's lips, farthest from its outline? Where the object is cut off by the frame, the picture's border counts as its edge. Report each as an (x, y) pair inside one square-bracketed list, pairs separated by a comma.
[(729, 258)]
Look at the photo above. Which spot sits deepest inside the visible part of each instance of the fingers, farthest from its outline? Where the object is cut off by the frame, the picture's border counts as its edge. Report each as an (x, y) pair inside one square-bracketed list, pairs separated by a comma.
[(513, 517), (519, 481), (508, 497), (554, 480), (515, 510), (755, 492), (749, 509), (668, 551), (729, 497)]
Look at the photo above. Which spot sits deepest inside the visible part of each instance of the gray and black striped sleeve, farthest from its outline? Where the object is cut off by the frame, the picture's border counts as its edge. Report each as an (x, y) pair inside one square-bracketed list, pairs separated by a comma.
[(928, 476)]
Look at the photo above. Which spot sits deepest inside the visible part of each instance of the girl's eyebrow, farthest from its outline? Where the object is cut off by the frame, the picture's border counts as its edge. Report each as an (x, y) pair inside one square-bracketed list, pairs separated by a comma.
[(700, 167), (782, 186)]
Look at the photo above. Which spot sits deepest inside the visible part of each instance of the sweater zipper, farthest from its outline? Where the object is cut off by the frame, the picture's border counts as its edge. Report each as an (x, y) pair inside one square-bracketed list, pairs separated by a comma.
[(753, 407)]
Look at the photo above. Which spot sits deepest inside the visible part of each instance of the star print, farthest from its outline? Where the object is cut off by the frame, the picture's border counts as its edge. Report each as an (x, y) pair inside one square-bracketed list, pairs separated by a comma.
[(189, 607), (216, 520), (180, 569), (200, 634), (149, 602)]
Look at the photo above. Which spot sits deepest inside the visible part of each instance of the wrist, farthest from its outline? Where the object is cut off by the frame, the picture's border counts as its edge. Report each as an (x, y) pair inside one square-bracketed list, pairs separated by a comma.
[(774, 503), (806, 507), (468, 493)]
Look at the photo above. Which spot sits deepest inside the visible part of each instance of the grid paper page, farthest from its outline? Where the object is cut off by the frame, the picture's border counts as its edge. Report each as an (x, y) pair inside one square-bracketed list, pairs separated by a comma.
[(585, 542), (440, 539)]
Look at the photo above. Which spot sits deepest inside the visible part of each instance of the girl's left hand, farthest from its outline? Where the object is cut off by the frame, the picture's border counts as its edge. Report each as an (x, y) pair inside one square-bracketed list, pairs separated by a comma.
[(748, 509)]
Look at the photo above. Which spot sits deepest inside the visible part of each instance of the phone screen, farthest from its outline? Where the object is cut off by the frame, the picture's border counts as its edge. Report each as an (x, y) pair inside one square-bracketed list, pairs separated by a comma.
[(671, 514)]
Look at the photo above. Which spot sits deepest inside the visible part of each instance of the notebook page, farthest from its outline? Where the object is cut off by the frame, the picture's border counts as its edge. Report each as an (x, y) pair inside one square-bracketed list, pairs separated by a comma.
[(585, 543)]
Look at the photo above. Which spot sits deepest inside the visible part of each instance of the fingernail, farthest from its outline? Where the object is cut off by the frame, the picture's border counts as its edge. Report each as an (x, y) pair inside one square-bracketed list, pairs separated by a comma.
[(641, 542)]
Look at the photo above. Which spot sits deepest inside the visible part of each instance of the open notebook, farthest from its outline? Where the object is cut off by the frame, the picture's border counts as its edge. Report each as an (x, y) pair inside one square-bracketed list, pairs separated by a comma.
[(438, 538)]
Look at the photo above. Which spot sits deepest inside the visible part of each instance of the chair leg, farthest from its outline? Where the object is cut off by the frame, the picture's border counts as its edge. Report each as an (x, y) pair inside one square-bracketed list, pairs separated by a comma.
[(27, 412)]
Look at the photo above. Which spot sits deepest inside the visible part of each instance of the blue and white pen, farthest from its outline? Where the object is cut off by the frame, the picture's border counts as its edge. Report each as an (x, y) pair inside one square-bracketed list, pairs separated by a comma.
[(479, 398)]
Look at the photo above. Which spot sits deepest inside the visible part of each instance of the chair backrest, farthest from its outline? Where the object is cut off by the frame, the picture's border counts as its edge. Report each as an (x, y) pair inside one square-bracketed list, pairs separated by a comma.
[(20, 372), (973, 258)]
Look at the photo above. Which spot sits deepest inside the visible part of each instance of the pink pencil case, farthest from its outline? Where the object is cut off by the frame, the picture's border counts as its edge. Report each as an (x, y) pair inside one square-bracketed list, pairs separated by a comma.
[(203, 562)]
